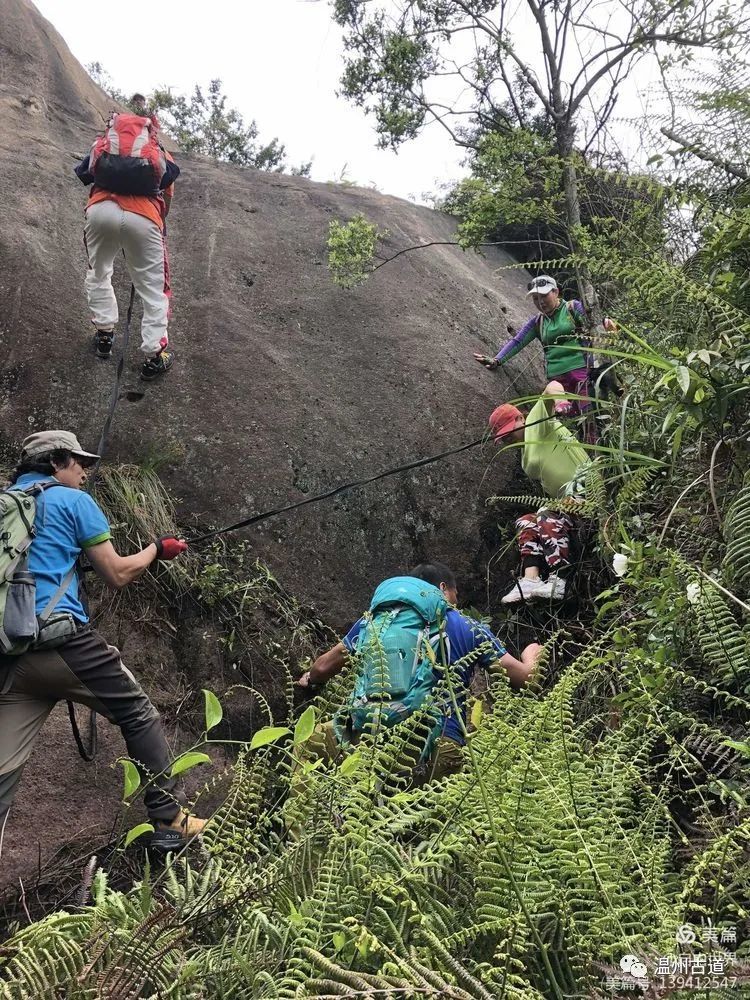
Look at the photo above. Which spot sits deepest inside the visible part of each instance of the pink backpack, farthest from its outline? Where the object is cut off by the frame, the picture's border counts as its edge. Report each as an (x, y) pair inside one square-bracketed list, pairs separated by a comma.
[(128, 158)]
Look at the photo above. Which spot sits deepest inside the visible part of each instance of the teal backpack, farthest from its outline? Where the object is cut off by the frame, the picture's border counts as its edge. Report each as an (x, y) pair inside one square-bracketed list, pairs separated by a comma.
[(394, 652)]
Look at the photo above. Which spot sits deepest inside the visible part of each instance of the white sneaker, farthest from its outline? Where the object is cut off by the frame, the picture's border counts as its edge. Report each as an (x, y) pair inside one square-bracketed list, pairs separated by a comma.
[(523, 590), (553, 589)]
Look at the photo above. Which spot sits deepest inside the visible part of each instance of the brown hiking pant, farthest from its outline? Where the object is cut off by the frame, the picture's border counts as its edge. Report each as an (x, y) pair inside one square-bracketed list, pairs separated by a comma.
[(88, 671)]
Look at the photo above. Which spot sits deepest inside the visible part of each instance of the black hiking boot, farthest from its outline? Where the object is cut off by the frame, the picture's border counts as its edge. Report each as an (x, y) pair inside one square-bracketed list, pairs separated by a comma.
[(103, 343), (158, 365)]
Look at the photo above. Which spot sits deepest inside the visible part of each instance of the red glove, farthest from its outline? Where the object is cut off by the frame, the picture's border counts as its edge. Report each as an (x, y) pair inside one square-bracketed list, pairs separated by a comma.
[(169, 547)]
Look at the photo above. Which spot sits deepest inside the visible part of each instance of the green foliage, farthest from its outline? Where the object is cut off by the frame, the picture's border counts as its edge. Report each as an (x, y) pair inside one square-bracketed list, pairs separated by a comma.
[(205, 123), (597, 810), (516, 180), (351, 250), (213, 710), (737, 534)]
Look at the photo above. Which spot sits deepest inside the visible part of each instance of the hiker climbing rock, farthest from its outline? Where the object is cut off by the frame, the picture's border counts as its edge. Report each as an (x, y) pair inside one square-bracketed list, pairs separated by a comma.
[(559, 327), (50, 651), (414, 626), (551, 455), (133, 178)]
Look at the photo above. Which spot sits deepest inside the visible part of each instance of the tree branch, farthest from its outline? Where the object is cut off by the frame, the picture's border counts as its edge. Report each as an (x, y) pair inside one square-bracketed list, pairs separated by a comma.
[(689, 146), (455, 243)]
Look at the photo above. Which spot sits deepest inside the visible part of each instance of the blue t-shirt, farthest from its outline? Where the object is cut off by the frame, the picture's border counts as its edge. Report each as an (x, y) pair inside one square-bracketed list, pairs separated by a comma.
[(67, 520), (462, 636)]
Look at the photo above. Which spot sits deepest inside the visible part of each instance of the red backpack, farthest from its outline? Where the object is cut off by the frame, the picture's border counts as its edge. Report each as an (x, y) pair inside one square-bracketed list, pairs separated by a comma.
[(128, 159)]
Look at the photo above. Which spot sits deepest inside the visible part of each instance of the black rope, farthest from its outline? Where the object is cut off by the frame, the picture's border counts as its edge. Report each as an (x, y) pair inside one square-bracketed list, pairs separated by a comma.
[(89, 753), (256, 518), (345, 487), (104, 437)]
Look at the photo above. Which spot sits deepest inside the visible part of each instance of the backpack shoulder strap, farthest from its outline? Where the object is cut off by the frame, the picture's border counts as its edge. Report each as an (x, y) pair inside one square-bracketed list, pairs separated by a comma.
[(56, 597), (34, 489)]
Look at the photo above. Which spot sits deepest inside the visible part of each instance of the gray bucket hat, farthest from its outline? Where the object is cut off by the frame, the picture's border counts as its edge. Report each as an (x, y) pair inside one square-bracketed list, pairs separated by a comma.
[(45, 441)]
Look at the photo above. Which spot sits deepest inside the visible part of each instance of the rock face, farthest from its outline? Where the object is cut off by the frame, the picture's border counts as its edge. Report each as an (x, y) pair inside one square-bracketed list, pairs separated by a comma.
[(284, 386)]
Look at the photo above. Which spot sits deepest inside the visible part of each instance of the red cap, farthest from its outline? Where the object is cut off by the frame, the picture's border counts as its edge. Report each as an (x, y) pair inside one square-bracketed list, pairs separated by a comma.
[(503, 420)]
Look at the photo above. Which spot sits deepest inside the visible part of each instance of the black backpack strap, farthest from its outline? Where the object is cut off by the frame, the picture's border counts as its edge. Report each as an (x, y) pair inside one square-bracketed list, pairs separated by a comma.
[(17, 502)]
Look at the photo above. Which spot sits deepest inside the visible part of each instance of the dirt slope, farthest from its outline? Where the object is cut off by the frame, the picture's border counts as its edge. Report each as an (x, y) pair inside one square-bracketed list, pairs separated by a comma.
[(284, 385)]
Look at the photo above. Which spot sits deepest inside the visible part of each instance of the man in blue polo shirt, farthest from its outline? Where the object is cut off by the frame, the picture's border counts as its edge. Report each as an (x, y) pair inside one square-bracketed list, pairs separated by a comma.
[(459, 636), (70, 660)]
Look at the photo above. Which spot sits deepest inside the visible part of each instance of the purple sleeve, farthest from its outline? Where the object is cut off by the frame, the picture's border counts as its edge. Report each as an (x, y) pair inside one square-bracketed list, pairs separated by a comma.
[(350, 639), (528, 332)]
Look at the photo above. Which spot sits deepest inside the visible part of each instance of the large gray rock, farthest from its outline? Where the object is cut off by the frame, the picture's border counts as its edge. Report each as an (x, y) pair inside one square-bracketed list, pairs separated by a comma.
[(285, 385)]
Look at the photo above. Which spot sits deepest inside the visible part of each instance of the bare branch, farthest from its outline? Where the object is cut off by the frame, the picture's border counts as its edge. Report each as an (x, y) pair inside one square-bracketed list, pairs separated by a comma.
[(690, 146)]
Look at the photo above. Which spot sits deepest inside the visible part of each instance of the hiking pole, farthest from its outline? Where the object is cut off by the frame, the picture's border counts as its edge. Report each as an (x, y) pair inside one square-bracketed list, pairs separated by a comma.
[(86, 754)]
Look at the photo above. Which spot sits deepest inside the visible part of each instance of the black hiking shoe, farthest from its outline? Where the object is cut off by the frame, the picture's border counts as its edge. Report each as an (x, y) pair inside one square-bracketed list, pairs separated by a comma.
[(103, 343), (156, 366)]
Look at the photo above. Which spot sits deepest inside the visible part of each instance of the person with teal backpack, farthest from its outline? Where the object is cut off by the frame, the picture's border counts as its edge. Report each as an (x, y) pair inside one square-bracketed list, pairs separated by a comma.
[(400, 649), (395, 649)]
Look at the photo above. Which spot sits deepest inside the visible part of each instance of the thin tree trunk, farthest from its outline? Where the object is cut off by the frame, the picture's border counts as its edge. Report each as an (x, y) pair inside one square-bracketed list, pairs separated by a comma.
[(565, 147)]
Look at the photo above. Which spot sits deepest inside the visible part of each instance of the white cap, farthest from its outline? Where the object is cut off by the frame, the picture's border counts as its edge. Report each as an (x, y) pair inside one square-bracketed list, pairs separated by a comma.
[(541, 285)]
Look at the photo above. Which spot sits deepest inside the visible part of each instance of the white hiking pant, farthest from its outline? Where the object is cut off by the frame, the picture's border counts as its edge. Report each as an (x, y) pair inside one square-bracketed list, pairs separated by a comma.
[(108, 230)]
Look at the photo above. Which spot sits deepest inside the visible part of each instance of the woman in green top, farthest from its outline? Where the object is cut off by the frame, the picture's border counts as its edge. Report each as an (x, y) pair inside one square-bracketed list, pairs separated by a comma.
[(558, 325)]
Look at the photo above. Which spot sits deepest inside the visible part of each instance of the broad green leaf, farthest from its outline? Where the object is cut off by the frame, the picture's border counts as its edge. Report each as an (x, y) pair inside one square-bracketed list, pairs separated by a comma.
[(268, 735), (744, 748), (188, 760), (677, 441), (138, 831), (339, 940), (132, 777), (350, 764), (312, 765), (683, 378), (700, 393), (214, 713), (305, 726)]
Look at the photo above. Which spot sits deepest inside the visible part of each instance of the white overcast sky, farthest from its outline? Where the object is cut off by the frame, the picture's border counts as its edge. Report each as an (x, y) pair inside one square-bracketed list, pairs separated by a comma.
[(280, 63)]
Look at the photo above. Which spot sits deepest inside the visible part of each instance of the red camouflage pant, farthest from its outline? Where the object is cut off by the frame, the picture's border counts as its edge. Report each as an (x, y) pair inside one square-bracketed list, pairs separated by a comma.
[(544, 539)]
